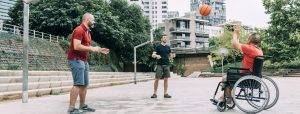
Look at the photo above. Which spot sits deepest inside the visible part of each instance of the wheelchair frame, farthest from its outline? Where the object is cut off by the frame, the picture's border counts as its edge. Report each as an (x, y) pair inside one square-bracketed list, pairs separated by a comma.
[(237, 82)]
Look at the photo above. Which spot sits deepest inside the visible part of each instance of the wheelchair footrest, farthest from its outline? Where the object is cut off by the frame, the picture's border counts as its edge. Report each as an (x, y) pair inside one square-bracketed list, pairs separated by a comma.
[(214, 102)]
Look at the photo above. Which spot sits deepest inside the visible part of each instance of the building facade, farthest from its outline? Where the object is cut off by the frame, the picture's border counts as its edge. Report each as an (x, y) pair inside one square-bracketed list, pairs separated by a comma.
[(156, 11), (218, 14), (173, 14), (137, 2), (5, 6), (188, 39)]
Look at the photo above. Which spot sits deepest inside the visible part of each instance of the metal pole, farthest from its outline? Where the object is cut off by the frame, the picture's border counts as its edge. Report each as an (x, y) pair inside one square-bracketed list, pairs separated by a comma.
[(25, 53), (222, 65), (34, 34), (134, 50), (135, 58)]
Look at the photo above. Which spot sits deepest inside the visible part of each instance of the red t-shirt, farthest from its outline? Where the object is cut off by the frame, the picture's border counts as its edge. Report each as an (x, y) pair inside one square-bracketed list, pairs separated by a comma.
[(83, 34), (249, 53)]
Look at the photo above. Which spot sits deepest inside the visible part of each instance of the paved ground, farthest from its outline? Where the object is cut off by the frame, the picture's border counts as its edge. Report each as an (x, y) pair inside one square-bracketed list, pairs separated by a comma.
[(190, 96)]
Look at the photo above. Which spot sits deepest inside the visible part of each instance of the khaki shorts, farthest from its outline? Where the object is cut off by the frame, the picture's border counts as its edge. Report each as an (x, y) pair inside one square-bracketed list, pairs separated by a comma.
[(162, 71)]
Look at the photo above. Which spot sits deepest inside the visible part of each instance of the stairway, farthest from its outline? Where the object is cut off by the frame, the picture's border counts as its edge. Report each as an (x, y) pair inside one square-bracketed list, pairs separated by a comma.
[(293, 73), (57, 82)]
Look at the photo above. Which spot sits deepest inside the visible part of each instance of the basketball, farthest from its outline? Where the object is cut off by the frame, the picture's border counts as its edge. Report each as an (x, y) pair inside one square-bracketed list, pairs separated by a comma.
[(204, 9)]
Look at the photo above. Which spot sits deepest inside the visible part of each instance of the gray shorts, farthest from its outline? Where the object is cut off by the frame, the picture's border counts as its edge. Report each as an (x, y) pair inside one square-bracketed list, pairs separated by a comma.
[(162, 71), (80, 72)]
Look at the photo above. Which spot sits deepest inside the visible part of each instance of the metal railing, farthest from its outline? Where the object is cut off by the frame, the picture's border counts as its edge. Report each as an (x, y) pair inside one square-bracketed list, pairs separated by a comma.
[(16, 30)]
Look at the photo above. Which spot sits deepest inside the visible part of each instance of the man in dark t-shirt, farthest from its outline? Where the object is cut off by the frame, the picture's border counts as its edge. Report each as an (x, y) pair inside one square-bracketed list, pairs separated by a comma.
[(162, 53)]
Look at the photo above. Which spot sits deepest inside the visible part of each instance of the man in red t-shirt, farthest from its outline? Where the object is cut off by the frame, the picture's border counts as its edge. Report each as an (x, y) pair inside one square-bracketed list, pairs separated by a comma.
[(80, 46), (249, 50)]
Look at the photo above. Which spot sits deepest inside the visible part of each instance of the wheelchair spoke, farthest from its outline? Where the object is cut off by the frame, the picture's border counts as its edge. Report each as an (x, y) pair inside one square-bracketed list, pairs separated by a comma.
[(251, 94)]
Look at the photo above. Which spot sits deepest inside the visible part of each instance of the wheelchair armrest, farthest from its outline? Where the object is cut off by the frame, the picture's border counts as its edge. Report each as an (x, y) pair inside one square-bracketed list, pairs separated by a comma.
[(238, 68)]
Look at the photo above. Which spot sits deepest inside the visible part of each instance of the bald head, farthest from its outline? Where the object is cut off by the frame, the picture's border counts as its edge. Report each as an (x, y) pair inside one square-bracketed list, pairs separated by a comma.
[(87, 16), (88, 19)]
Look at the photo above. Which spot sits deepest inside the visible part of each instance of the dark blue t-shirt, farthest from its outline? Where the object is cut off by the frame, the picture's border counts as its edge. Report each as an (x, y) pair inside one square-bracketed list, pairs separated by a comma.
[(164, 52)]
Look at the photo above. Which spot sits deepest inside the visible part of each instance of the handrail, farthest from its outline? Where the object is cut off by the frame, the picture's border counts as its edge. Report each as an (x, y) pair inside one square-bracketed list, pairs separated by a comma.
[(14, 29)]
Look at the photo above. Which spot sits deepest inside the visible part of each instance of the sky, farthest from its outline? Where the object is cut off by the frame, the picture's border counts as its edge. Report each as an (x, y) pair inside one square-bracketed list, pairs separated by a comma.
[(250, 12)]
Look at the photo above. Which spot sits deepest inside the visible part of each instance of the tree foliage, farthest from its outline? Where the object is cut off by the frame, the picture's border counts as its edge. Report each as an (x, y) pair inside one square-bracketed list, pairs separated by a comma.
[(119, 26), (281, 40), (224, 41)]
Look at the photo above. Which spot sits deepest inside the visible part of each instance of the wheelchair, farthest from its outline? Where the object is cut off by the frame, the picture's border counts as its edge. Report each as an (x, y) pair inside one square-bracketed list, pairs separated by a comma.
[(250, 92)]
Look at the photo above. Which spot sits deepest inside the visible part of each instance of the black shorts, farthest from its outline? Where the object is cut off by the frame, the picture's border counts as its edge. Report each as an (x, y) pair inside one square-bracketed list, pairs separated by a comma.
[(162, 71)]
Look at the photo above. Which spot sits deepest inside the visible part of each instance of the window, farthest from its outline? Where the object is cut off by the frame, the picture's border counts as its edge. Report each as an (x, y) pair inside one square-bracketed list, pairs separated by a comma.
[(164, 11), (164, 7), (147, 3), (164, 16), (164, 2), (146, 7)]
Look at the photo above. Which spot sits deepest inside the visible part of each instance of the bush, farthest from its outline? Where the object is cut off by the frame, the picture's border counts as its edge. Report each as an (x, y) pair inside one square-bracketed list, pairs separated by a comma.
[(178, 66), (226, 67)]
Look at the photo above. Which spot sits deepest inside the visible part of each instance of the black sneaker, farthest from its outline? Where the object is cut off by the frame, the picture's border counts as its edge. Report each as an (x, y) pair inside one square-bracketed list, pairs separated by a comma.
[(154, 96), (86, 108), (74, 111), (167, 96)]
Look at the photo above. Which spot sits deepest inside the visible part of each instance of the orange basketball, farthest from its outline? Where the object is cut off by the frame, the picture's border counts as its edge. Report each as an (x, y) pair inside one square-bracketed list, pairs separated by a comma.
[(204, 9)]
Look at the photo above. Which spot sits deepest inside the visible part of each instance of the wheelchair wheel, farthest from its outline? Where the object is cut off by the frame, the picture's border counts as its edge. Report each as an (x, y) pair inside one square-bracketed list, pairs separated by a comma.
[(221, 106), (273, 90), (251, 94)]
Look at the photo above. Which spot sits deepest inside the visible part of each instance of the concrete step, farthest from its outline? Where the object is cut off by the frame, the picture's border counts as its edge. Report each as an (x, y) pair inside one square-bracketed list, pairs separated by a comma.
[(58, 90), (291, 75), (18, 79), (294, 73), (54, 73), (40, 85)]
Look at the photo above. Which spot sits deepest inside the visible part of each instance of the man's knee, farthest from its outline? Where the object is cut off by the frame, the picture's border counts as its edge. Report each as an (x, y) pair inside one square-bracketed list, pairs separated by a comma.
[(224, 78)]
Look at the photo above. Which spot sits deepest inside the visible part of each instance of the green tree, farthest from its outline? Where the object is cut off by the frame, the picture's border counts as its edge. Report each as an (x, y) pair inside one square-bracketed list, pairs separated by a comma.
[(281, 40), (224, 41), (119, 26)]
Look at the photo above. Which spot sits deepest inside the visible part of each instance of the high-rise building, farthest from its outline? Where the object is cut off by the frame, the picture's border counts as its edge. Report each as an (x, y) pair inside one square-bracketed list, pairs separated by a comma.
[(156, 11), (188, 39), (173, 14), (218, 14), (137, 2), (5, 6)]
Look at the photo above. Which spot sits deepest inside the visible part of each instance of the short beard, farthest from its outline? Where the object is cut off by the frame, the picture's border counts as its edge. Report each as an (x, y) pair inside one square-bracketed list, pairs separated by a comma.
[(92, 26)]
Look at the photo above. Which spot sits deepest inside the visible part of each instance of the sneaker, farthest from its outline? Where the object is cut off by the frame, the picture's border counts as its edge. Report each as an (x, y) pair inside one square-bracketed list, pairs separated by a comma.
[(86, 108), (74, 111), (167, 96), (154, 96)]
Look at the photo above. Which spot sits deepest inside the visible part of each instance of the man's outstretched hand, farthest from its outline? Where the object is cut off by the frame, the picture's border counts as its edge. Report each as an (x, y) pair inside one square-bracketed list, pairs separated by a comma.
[(103, 50)]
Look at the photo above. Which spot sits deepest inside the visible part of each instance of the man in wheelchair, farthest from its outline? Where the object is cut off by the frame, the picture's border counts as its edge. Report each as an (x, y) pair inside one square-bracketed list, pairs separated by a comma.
[(250, 50)]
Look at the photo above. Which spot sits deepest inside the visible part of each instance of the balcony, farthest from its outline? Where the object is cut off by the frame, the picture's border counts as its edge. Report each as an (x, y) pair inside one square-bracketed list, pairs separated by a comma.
[(183, 51), (183, 30), (180, 38), (201, 39), (201, 31)]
